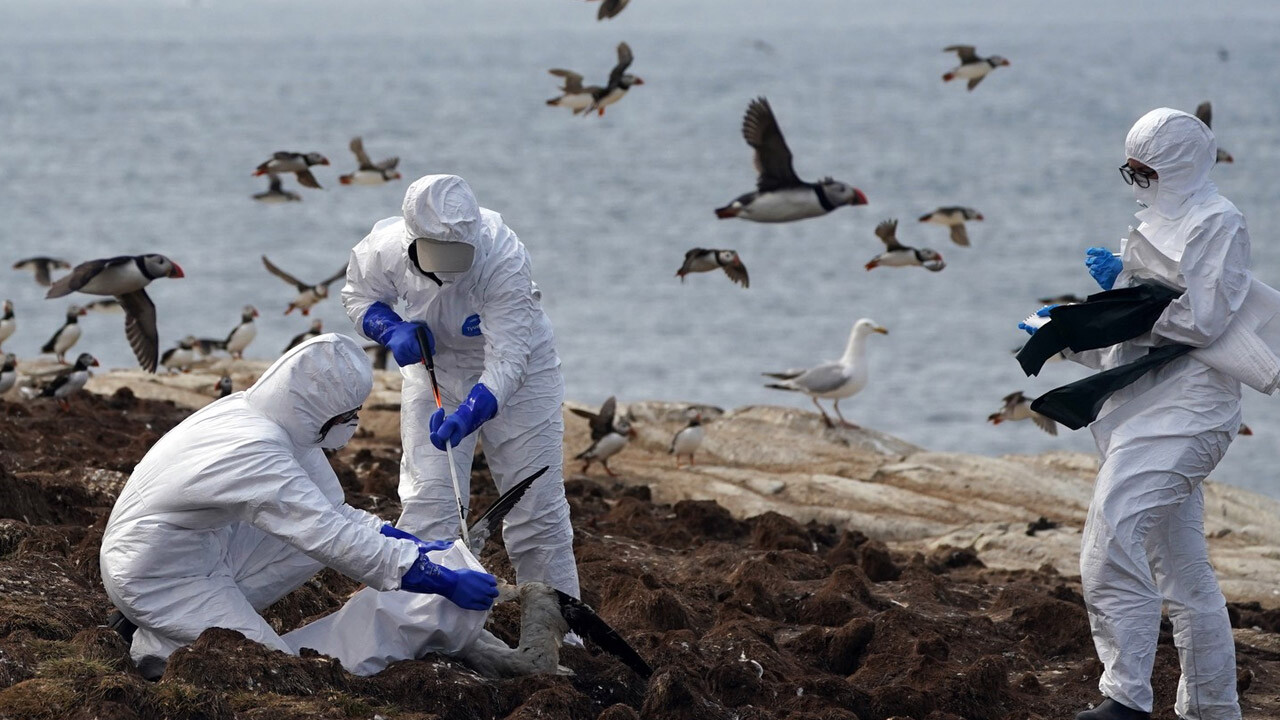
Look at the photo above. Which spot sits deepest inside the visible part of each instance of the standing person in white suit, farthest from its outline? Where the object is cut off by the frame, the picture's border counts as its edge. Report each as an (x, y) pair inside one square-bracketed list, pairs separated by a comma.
[(237, 506), (1143, 541), (464, 276)]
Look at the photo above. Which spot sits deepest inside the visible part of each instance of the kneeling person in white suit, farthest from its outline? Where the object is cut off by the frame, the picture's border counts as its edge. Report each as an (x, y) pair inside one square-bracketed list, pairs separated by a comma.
[(237, 506)]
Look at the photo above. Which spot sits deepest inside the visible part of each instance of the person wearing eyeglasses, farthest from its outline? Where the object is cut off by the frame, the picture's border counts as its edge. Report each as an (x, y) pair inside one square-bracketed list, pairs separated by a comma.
[(1143, 542), (237, 506), (463, 278)]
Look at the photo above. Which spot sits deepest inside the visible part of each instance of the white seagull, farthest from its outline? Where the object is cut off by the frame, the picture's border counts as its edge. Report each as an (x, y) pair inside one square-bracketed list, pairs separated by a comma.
[(836, 380)]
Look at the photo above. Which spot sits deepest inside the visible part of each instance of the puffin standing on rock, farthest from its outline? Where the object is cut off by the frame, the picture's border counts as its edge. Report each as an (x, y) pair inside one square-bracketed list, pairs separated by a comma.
[(369, 172), (704, 260), (41, 267), (954, 218), (293, 162), (67, 335), (971, 67), (180, 359), (308, 295), (223, 388), (243, 334), (8, 323), (688, 439), (8, 373), (124, 277), (898, 255), (316, 329), (780, 195), (609, 434), (67, 381)]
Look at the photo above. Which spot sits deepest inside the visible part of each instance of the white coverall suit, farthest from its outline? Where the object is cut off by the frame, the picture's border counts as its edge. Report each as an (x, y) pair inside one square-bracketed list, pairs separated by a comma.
[(237, 506), (1161, 436), (488, 328)]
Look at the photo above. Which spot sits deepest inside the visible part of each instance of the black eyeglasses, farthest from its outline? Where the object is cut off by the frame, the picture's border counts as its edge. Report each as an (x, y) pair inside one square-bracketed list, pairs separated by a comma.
[(342, 419), (1141, 177)]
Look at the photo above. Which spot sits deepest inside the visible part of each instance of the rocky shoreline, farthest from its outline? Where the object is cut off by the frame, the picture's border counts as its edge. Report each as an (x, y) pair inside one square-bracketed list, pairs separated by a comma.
[(793, 572)]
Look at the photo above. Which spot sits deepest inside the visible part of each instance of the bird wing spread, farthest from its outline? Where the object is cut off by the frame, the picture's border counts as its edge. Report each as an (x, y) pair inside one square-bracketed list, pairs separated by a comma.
[(357, 147), (967, 53), (140, 328), (625, 58), (1204, 111), (772, 157), (336, 276), (888, 232), (572, 80), (82, 274), (737, 272), (284, 275)]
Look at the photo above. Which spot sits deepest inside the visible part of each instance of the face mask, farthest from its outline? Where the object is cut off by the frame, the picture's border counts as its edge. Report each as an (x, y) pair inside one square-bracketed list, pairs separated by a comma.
[(1146, 196), (339, 435)]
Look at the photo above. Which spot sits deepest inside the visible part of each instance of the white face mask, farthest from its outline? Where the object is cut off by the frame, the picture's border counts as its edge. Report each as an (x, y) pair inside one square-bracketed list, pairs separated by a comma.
[(1146, 196), (339, 435)]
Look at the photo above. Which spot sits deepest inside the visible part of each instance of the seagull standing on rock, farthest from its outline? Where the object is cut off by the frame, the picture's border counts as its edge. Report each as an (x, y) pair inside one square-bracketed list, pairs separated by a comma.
[(837, 380)]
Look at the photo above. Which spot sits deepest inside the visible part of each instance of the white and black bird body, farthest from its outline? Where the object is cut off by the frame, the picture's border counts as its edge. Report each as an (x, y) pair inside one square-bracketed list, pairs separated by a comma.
[(898, 255), (180, 358), (1204, 111), (125, 278), (687, 440), (780, 195), (308, 294), (297, 163), (316, 329), (971, 67), (224, 387), (42, 268), (8, 372), (8, 322), (609, 435), (70, 380), (953, 217), (834, 380), (369, 172), (595, 98), (243, 334), (1016, 406), (705, 260), (67, 335), (275, 192)]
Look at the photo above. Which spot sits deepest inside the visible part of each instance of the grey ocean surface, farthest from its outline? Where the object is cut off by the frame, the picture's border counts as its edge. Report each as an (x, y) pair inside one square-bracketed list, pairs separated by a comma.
[(129, 127)]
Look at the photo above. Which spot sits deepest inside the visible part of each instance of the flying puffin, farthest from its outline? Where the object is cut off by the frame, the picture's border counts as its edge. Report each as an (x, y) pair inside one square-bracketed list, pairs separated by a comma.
[(8, 323), (41, 267), (688, 439), (315, 329), (610, 8), (67, 335), (275, 192), (1016, 406), (8, 373), (1204, 111), (243, 334), (704, 260), (898, 255), (223, 388), (953, 217), (308, 295), (124, 277), (609, 434), (292, 162), (369, 172), (582, 99), (180, 359), (971, 67), (780, 195), (68, 380)]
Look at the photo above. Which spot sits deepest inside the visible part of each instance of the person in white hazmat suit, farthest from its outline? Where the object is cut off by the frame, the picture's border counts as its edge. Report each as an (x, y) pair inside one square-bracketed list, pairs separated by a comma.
[(463, 275), (1160, 437), (237, 506)]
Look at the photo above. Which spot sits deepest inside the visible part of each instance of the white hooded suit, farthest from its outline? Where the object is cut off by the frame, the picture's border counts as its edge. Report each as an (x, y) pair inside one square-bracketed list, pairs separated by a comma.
[(237, 506), (1161, 436), (489, 328)]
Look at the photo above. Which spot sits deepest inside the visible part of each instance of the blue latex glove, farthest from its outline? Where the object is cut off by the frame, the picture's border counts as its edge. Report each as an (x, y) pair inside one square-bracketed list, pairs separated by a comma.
[(1103, 265), (384, 326), (467, 589), (1042, 312), (392, 531), (479, 407)]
